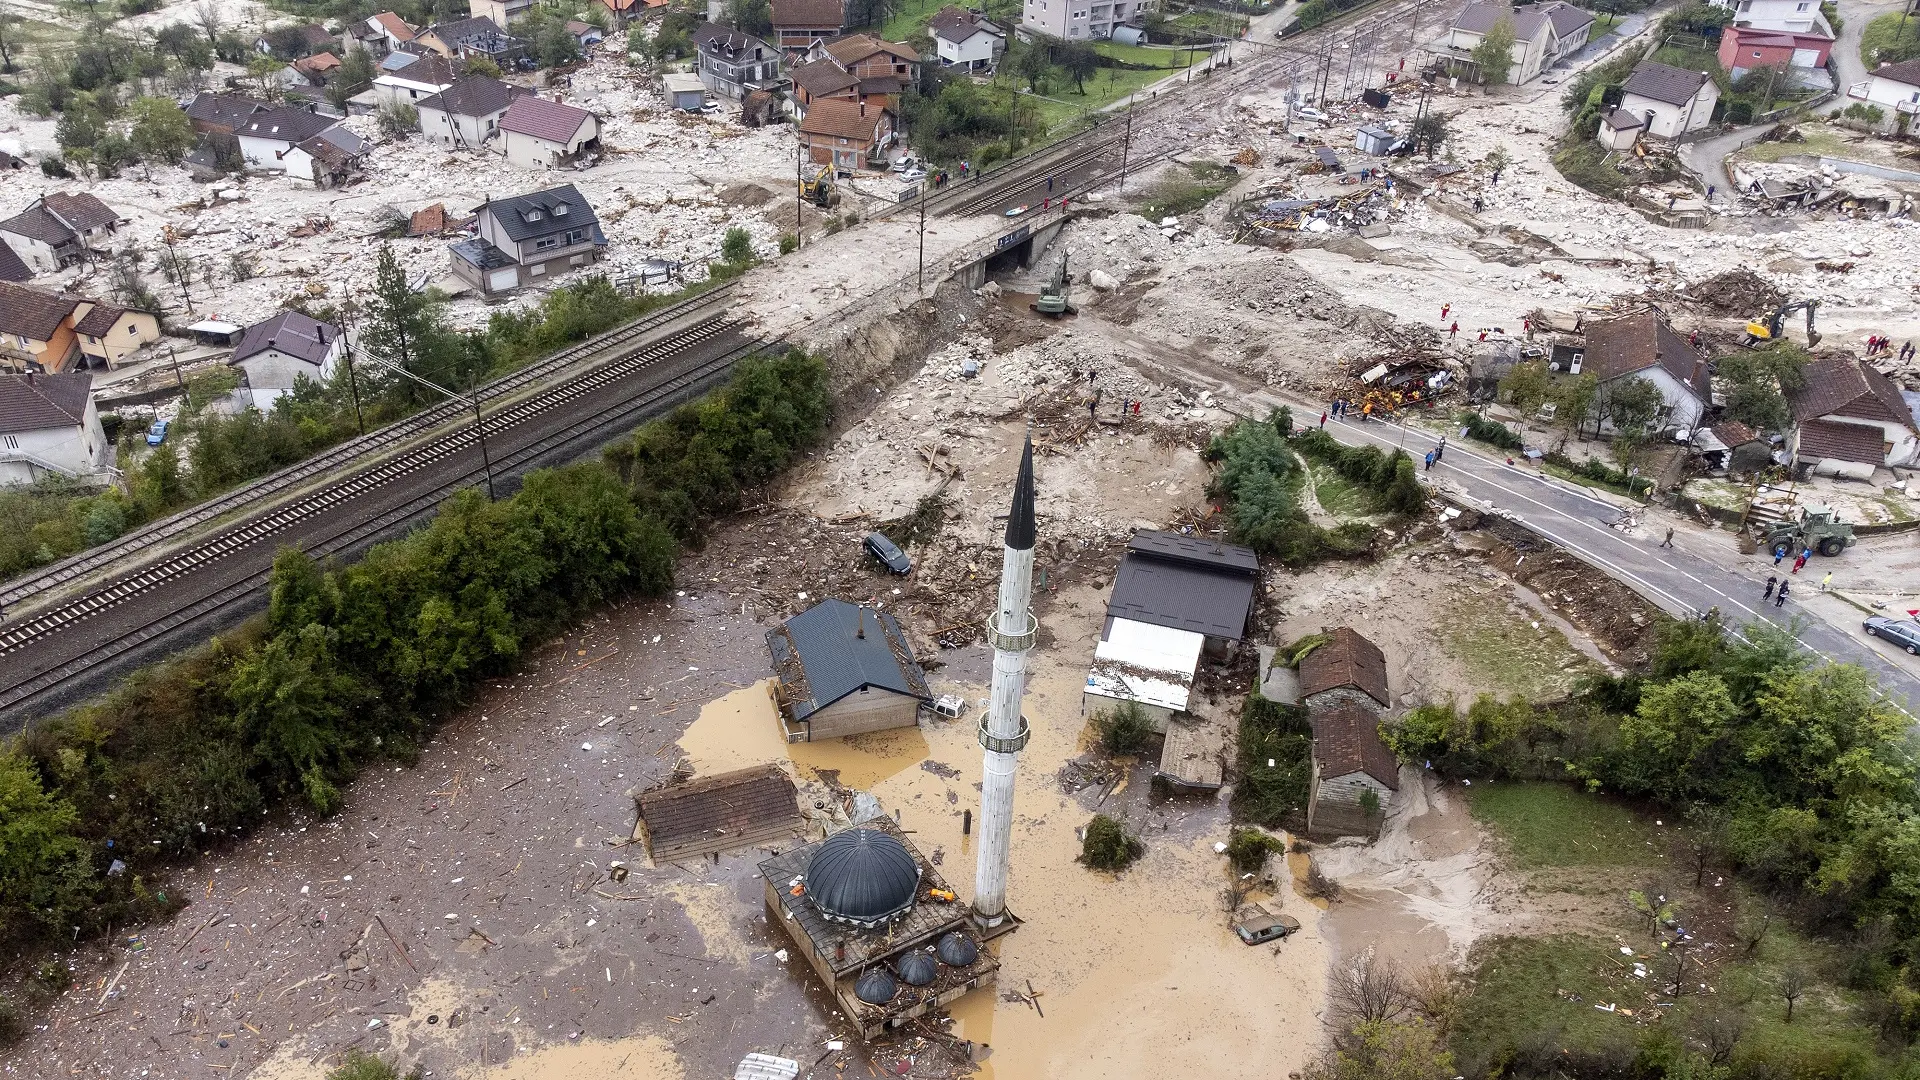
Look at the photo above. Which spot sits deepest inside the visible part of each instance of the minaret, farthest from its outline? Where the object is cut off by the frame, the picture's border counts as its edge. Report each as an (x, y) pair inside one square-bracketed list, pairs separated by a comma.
[(1003, 731)]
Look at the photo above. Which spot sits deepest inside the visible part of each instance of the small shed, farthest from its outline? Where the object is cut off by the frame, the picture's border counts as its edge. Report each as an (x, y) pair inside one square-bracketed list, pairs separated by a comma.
[(1372, 139), (845, 669), (1126, 34), (1347, 670), (1328, 160), (718, 813), (1619, 129), (1349, 760), (685, 92), (222, 335)]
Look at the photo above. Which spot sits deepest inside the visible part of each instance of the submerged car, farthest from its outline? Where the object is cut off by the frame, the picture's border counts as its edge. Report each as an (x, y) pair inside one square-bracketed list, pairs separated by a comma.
[(1256, 925), (887, 553)]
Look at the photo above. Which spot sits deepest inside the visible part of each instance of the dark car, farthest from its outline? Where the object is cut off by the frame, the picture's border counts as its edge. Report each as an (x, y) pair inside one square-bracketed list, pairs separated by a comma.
[(888, 553), (1902, 632)]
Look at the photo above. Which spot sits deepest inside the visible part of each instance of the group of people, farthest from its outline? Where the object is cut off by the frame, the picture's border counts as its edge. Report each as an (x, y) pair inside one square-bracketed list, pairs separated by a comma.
[(1879, 344)]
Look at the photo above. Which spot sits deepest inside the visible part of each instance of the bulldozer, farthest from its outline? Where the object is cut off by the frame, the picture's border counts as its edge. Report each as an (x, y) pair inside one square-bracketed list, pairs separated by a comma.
[(1766, 333), (1818, 529), (819, 189), (1053, 295)]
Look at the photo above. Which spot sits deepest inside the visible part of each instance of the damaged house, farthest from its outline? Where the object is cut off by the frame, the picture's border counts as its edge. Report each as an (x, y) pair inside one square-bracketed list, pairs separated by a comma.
[(468, 113), (542, 134), (529, 239), (1849, 419), (845, 669), (732, 64), (304, 145), (55, 231), (1643, 346)]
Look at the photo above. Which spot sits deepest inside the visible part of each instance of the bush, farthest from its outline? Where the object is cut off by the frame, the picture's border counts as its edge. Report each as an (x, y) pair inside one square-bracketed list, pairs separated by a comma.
[(12, 1027), (358, 1065), (1584, 163), (55, 167), (1492, 432), (1107, 845), (1123, 729), (1249, 849), (398, 120), (1275, 763), (789, 243)]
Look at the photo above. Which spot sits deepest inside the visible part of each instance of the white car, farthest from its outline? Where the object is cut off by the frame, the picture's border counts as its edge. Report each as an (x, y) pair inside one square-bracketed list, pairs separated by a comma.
[(906, 164), (913, 174), (1310, 113)]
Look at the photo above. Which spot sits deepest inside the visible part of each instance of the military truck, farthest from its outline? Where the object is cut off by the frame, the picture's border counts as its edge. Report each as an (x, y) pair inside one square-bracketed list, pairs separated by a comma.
[(1818, 529)]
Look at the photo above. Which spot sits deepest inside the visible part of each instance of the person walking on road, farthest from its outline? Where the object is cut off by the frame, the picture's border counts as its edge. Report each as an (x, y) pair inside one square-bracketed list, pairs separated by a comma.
[(1440, 448), (1429, 461), (1323, 419), (1772, 580), (1779, 553), (1668, 542), (1780, 598), (1826, 583)]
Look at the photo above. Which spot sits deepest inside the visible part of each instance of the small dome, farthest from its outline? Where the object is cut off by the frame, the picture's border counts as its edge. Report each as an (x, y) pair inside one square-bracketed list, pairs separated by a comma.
[(876, 987), (864, 877), (958, 950), (917, 968)]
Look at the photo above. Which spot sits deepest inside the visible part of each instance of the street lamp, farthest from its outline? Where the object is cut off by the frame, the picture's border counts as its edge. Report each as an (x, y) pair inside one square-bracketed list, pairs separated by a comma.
[(479, 423)]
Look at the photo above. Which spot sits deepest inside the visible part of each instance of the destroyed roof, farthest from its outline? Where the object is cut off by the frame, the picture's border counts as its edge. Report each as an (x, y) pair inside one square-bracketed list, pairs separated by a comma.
[(835, 648), (59, 218), (1675, 86), (475, 29), (395, 25), (1346, 740), (1632, 343), (285, 125), (1847, 442), (1186, 583), (473, 95), (849, 51), (538, 213), (289, 333), (99, 320), (1732, 433), (35, 314), (42, 402), (1622, 120), (820, 78), (334, 156), (1906, 71), (479, 254), (809, 13), (224, 110), (343, 137), (318, 63), (1849, 387), (543, 119), (1347, 660), (842, 119), (715, 813), (12, 267)]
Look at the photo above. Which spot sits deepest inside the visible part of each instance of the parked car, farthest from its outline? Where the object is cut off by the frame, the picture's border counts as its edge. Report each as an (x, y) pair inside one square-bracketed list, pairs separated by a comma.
[(1256, 925), (1902, 632), (913, 174), (157, 434), (906, 163), (1308, 112), (887, 553)]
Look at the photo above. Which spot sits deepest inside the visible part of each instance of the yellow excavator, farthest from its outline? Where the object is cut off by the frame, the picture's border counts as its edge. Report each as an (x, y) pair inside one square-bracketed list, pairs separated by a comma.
[(1766, 333), (818, 188)]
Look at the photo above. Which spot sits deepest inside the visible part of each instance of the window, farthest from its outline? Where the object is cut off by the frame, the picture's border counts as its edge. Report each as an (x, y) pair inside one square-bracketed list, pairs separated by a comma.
[(133, 331), (542, 245), (576, 235), (1803, 7)]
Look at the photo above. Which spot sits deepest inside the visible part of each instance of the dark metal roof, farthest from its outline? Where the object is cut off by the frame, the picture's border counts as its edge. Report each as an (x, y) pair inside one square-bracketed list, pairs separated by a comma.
[(835, 648), (285, 125), (1348, 660), (730, 44), (35, 313), (478, 253), (1675, 86), (1346, 740), (957, 950), (41, 402), (539, 213), (1621, 120), (543, 119), (876, 987), (864, 877), (1186, 583), (472, 95), (12, 267), (290, 333), (716, 813), (1020, 524), (227, 111), (917, 968)]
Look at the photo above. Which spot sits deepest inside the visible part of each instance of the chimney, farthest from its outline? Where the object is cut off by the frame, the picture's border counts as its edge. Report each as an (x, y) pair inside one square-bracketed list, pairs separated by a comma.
[(861, 629), (863, 106)]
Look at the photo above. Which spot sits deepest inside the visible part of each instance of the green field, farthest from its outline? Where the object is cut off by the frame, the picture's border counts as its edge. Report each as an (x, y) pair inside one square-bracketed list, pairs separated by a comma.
[(1883, 41), (1543, 825), (1504, 654)]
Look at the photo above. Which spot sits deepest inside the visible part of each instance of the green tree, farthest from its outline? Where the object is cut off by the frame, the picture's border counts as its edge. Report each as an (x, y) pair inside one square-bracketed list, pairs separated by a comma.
[(1574, 397), (476, 65), (9, 40), (737, 246), (870, 13), (1527, 387), (1758, 382), (46, 876), (356, 76), (1107, 845), (751, 16), (1494, 54), (1078, 59), (403, 325), (1633, 405), (1385, 1050), (1431, 132), (262, 70), (293, 702), (183, 43), (1668, 739), (1031, 62), (160, 129)]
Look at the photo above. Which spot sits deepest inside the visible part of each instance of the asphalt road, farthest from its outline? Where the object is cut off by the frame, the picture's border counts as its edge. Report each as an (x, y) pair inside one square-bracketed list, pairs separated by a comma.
[(1682, 579)]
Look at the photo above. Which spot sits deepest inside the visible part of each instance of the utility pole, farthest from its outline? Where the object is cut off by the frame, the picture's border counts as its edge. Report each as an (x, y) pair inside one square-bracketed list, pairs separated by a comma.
[(479, 422), (1126, 144), (182, 275), (799, 187), (353, 380), (178, 380), (922, 281)]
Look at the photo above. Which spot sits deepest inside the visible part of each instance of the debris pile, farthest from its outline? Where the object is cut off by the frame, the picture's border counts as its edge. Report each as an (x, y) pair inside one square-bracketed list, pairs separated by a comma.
[(1735, 293)]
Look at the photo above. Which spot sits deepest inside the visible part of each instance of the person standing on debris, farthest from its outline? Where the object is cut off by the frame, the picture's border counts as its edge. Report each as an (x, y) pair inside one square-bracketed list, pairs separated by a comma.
[(1453, 332), (1671, 199), (1906, 352), (1668, 542), (1780, 598), (1483, 335), (1772, 580), (1496, 178), (1444, 308), (1710, 192), (1478, 205), (1527, 325)]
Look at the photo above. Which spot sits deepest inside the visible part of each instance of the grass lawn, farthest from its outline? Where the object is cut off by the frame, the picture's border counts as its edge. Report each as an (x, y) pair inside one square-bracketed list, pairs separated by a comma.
[(1688, 58), (913, 16), (1060, 104), (1504, 653), (1881, 40), (1547, 825), (1341, 497), (1816, 138)]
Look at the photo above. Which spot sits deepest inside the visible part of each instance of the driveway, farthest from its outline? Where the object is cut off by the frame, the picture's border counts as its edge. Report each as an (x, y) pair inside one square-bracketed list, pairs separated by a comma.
[(1704, 158)]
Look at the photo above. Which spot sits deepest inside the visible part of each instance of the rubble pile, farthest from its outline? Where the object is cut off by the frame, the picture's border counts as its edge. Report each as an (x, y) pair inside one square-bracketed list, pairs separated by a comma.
[(1740, 293)]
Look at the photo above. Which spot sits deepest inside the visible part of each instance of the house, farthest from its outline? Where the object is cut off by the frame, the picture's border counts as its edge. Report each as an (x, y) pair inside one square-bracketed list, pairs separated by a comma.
[(1847, 411), (1175, 597), (1672, 101), (217, 118), (844, 669), (1895, 86), (1619, 129), (587, 34), (295, 41), (1348, 670), (49, 426), (1083, 20), (12, 266), (1731, 446), (683, 91), (732, 64), (1792, 16), (393, 30), (1644, 347), (847, 134), (110, 333), (1742, 49), (468, 112), (464, 39), (797, 24), (58, 230), (268, 140), (499, 12), (1349, 761), (723, 812), (1543, 35), (36, 328), (964, 40), (818, 80), (528, 239), (407, 77), (542, 134), (317, 69), (867, 57), (277, 353), (622, 10), (327, 159)]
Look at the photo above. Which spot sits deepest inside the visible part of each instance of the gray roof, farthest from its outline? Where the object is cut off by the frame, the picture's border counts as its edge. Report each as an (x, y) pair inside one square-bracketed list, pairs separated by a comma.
[(1906, 71), (1675, 86), (1186, 583), (1620, 120), (291, 333), (42, 402), (11, 266), (224, 110), (1566, 18), (862, 876), (1478, 18), (838, 649), (343, 139), (539, 213), (285, 125), (472, 95)]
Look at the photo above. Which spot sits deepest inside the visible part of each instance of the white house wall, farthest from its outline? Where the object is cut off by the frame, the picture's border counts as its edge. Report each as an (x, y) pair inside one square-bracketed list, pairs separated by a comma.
[(452, 129), (76, 451), (268, 154), (34, 252)]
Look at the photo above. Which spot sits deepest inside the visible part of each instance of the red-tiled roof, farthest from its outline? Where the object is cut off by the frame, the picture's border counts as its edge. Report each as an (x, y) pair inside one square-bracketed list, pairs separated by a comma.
[(1347, 660), (543, 119), (806, 13), (1845, 385), (1847, 442), (842, 119), (1346, 740), (395, 25), (1622, 346), (851, 50), (35, 313)]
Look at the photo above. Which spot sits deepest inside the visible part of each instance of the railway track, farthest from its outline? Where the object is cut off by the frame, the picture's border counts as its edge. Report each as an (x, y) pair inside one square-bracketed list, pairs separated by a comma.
[(47, 654), (370, 446)]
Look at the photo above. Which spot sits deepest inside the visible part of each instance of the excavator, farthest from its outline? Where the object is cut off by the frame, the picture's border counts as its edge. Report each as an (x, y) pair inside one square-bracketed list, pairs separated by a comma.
[(1053, 295), (819, 189), (1766, 333)]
